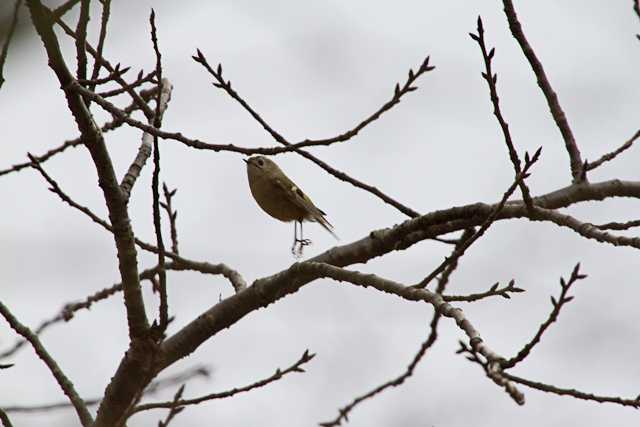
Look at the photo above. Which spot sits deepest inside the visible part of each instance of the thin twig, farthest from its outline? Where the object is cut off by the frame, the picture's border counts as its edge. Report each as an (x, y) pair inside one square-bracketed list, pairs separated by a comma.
[(142, 105), (619, 225), (636, 9), (95, 81), (7, 40), (140, 80), (398, 93), (612, 155), (343, 413), (553, 316), (504, 292), (180, 264), (492, 80), (278, 374), (64, 8), (155, 183), (104, 21), (65, 384), (174, 410), (226, 86), (572, 392), (487, 222), (109, 126), (173, 215), (584, 229), (93, 140), (153, 388), (311, 270), (6, 422), (81, 38), (552, 98)]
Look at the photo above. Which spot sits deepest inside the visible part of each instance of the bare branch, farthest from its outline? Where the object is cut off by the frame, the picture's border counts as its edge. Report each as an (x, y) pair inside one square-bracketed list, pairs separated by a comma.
[(268, 290), (491, 80), (173, 215), (553, 316), (140, 80), (226, 86), (68, 310), (142, 105), (109, 126), (612, 155), (145, 149), (64, 8), (6, 422), (636, 9), (572, 392), (95, 81), (153, 388), (584, 229), (398, 93), (81, 38), (65, 384), (504, 292), (161, 104), (278, 374), (460, 250), (7, 40), (343, 413), (195, 143), (491, 370), (619, 225), (180, 263), (175, 409), (104, 20), (552, 98)]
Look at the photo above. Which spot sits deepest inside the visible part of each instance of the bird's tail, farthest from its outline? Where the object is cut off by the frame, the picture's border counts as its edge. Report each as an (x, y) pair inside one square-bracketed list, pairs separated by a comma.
[(320, 219)]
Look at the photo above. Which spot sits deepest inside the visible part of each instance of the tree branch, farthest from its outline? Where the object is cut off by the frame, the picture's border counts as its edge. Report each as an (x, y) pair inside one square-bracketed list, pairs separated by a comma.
[(277, 375), (460, 250), (572, 392), (552, 98), (104, 21), (491, 80), (553, 316), (93, 140), (343, 413), (398, 93), (65, 384), (7, 40), (109, 126), (173, 215), (504, 292), (612, 155), (6, 422)]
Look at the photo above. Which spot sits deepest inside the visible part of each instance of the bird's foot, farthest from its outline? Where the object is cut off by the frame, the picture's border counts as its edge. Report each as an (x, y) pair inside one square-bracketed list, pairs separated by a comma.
[(298, 247)]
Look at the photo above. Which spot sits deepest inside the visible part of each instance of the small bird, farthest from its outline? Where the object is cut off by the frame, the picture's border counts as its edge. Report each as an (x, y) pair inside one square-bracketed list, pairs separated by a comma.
[(278, 196)]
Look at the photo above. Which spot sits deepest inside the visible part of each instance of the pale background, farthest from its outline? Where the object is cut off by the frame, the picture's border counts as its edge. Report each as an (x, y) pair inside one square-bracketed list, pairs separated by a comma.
[(313, 69)]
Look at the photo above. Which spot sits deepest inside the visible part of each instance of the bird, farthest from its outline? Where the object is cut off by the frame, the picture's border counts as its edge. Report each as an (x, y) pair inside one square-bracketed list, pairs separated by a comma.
[(282, 199)]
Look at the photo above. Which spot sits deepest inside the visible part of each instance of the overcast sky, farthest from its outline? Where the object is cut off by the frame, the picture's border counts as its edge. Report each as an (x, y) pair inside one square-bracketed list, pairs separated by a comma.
[(314, 69)]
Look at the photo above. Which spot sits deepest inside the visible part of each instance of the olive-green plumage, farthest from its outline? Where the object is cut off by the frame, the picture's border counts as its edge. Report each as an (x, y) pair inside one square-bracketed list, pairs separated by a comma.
[(278, 196)]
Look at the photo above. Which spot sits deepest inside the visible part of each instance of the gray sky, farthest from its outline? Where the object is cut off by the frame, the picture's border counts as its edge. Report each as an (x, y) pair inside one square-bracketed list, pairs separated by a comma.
[(314, 70)]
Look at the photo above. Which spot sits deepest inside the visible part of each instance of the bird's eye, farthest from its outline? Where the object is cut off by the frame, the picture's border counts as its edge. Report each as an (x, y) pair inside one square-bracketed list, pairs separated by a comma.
[(260, 162)]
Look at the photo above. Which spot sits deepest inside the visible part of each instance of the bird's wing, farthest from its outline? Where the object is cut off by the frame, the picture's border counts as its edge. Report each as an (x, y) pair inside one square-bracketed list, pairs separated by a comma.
[(297, 196)]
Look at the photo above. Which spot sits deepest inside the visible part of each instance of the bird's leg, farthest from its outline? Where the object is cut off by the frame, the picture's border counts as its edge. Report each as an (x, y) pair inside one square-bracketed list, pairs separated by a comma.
[(303, 241), (298, 243)]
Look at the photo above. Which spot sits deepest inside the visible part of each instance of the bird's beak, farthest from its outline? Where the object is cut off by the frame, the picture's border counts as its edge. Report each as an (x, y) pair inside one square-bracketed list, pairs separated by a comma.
[(246, 161)]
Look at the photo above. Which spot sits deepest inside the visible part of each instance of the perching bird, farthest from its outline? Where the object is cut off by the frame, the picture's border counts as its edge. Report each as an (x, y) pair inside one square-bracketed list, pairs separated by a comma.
[(278, 196)]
